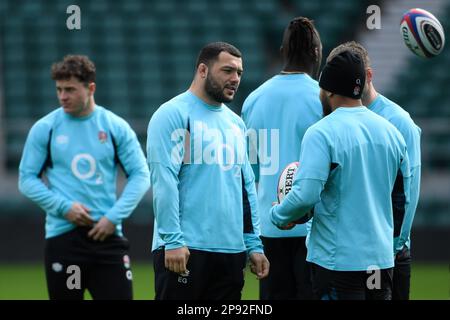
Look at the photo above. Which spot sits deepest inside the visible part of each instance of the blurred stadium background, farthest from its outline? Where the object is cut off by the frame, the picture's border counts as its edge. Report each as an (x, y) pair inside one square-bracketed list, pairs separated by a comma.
[(145, 53)]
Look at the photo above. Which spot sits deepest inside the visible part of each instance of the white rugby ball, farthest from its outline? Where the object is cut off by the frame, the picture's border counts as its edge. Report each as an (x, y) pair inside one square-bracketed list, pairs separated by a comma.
[(422, 33), (286, 180)]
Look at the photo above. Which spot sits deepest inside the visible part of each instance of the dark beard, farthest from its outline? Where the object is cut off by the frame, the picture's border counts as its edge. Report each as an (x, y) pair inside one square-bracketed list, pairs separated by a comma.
[(326, 108), (214, 90)]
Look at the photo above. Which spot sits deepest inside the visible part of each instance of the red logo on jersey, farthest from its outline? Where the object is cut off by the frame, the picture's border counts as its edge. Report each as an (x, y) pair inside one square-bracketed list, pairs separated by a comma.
[(102, 136)]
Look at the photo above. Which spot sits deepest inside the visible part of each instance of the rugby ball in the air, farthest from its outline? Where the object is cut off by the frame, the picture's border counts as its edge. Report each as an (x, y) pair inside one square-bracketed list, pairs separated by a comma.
[(286, 180), (422, 32)]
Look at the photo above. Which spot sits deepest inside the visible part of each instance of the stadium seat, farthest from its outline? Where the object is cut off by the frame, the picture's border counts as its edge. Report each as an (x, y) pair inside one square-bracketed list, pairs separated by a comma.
[(144, 58)]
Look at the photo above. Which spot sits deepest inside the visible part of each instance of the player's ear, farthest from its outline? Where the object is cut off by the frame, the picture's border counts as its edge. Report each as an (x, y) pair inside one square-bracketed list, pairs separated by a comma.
[(369, 75), (202, 70), (316, 54), (91, 87)]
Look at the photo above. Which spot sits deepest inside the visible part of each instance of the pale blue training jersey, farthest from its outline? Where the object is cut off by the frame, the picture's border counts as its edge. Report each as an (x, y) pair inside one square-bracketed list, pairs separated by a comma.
[(79, 157), (204, 193), (277, 115), (349, 163), (411, 133)]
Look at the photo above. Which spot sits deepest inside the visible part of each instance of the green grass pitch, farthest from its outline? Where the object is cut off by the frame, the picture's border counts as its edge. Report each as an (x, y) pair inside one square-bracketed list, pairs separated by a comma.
[(27, 281)]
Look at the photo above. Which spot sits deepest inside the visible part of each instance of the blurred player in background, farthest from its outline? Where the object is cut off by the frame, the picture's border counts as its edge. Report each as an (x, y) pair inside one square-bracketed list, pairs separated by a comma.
[(78, 148), (349, 163), (204, 197), (289, 103), (411, 133)]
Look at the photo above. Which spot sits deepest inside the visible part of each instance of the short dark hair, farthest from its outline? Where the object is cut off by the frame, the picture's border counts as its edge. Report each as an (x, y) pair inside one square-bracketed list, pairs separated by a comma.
[(302, 41), (353, 47), (211, 51), (78, 66)]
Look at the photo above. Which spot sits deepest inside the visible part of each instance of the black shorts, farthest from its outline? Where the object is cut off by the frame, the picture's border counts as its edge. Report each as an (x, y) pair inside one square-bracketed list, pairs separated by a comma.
[(74, 262), (290, 274), (351, 285), (402, 275), (212, 276)]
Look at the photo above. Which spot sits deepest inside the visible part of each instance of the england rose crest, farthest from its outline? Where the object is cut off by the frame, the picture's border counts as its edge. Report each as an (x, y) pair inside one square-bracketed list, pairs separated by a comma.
[(102, 136)]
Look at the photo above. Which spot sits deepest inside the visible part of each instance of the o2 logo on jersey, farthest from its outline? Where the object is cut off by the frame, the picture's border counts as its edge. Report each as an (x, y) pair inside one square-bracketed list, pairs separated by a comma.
[(84, 167), (212, 146)]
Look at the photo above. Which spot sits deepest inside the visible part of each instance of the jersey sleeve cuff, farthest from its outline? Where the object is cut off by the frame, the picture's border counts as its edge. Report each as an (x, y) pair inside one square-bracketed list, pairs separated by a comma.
[(65, 207), (174, 245), (111, 217)]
